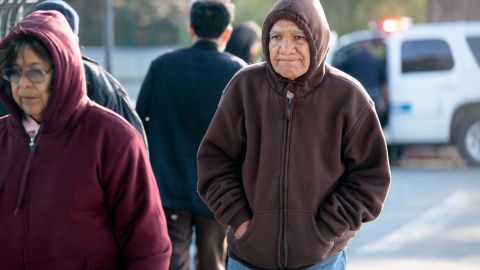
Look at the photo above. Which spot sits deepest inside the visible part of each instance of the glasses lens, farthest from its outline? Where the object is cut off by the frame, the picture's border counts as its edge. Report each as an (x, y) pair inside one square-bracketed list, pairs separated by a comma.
[(35, 75), (11, 75)]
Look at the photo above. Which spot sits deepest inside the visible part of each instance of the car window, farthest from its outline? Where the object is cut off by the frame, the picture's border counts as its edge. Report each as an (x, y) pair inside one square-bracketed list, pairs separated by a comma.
[(474, 43), (426, 55)]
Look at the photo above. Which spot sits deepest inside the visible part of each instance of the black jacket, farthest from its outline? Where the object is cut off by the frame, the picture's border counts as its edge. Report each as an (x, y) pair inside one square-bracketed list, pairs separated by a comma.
[(105, 90), (176, 103), (3, 111)]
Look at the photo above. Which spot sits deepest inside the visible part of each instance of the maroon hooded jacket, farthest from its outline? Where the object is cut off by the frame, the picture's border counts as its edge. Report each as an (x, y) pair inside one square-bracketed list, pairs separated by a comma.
[(84, 196), (304, 160)]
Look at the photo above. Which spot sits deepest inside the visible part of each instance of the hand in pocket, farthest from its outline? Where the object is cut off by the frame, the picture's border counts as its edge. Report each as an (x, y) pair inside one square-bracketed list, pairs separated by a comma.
[(241, 229)]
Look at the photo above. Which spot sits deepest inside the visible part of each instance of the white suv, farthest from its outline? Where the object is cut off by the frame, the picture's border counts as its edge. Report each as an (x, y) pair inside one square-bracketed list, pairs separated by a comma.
[(433, 73)]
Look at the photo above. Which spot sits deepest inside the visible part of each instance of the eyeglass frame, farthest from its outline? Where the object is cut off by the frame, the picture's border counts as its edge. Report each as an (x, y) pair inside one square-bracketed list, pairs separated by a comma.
[(24, 74)]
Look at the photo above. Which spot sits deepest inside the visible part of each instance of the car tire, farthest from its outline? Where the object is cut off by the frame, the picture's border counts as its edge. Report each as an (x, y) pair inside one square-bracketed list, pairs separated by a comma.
[(468, 139)]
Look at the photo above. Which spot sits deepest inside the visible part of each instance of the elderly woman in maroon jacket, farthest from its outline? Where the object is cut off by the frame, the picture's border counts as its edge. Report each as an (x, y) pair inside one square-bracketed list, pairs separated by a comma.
[(76, 187)]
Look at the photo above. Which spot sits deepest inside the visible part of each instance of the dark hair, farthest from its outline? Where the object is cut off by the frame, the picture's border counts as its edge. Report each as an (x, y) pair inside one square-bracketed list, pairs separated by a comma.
[(10, 50), (210, 18), (244, 36)]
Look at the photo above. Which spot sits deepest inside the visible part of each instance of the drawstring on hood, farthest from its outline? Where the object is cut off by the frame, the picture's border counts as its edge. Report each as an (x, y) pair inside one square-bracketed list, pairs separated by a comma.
[(310, 17)]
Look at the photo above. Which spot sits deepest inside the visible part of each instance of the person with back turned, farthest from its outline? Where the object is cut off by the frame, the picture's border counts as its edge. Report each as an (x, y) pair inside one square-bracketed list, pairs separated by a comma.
[(245, 41), (176, 103)]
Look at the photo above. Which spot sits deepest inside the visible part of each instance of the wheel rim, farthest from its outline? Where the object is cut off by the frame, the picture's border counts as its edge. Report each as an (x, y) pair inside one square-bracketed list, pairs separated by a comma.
[(472, 141)]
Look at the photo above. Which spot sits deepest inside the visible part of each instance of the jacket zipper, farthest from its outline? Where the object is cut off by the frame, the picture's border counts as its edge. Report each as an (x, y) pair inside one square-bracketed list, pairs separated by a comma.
[(23, 181), (283, 184), (31, 144), (31, 147)]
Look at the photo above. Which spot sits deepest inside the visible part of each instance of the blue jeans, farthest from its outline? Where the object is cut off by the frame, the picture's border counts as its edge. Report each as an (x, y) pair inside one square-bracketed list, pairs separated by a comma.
[(337, 262)]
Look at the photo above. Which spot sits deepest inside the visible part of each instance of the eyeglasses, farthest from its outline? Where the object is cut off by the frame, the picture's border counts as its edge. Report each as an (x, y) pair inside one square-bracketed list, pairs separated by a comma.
[(34, 75)]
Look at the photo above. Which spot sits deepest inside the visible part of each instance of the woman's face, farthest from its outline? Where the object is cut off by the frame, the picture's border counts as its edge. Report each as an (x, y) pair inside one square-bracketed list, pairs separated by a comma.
[(289, 50), (30, 82)]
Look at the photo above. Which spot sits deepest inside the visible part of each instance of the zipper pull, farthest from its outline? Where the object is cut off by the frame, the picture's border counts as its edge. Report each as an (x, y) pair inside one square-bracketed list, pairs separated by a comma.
[(31, 144), (290, 98)]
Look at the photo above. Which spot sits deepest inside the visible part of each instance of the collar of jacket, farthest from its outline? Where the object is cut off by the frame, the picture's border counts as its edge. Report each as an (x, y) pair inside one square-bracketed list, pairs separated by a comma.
[(302, 86), (205, 44)]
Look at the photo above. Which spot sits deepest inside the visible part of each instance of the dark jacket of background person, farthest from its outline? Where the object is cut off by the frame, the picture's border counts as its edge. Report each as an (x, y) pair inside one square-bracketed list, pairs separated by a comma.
[(105, 90), (3, 110), (102, 87), (306, 172), (84, 194), (176, 103), (371, 73), (245, 37)]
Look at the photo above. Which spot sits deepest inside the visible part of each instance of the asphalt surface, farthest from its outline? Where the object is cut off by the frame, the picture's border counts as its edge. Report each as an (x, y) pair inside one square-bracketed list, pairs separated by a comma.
[(431, 219)]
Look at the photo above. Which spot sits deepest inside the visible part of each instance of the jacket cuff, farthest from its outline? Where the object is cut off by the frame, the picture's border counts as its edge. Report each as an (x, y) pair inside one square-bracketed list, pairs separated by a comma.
[(239, 218), (325, 231)]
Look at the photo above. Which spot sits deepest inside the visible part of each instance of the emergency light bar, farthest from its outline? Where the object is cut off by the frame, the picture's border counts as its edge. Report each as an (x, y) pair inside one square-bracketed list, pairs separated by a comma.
[(390, 25)]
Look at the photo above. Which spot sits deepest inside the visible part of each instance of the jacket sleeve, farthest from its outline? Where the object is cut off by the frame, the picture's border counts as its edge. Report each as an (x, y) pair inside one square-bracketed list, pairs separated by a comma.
[(107, 91), (134, 201), (362, 189), (144, 97), (219, 160)]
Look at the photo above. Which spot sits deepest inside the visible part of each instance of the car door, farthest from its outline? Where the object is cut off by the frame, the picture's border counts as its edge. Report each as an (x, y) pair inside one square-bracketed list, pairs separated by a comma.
[(425, 81)]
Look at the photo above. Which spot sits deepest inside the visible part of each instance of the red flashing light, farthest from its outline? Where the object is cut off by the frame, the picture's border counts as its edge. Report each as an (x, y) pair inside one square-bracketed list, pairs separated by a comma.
[(396, 24)]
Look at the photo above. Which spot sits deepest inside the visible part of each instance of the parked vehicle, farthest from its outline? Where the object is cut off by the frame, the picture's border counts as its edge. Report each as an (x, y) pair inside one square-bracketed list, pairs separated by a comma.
[(433, 73)]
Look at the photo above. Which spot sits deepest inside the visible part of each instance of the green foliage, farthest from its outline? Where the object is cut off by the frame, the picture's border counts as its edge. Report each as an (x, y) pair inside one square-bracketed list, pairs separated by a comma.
[(154, 22), (346, 16), (91, 21), (255, 10), (137, 22)]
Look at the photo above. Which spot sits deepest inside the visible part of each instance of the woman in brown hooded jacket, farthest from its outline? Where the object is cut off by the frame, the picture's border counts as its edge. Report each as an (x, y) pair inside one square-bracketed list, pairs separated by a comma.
[(294, 160)]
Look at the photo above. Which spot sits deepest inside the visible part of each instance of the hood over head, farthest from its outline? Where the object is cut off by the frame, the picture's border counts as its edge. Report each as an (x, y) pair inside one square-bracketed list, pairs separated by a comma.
[(68, 90), (310, 17)]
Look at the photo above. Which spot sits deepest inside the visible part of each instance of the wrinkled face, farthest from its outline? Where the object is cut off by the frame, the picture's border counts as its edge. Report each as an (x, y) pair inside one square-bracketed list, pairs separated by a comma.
[(30, 83), (289, 50)]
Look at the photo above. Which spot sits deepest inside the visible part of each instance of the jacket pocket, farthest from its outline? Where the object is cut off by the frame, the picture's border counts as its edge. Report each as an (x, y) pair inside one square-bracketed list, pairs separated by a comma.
[(79, 263), (342, 241), (305, 244), (259, 244)]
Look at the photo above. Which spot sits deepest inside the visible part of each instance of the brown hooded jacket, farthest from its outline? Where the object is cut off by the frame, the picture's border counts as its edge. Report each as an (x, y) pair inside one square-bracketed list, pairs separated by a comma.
[(307, 170)]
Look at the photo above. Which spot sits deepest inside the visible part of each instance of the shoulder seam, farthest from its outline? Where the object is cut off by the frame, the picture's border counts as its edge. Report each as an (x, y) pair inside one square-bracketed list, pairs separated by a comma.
[(230, 116), (357, 123)]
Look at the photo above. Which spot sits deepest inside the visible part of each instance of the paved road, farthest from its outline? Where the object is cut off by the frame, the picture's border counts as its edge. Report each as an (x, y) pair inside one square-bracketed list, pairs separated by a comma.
[(431, 220)]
